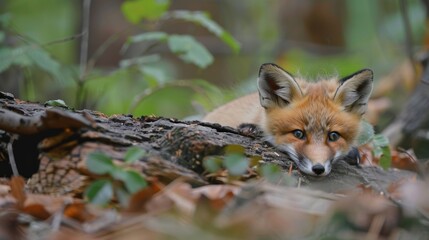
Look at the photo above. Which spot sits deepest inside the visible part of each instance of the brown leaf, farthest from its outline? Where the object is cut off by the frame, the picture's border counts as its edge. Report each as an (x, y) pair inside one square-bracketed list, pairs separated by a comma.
[(51, 203), (177, 194), (79, 212), (139, 200), (37, 211), (405, 160), (218, 195), (17, 184)]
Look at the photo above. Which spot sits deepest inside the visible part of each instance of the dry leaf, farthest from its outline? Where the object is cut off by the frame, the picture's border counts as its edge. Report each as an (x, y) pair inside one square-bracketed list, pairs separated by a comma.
[(51, 203), (405, 160), (37, 211), (139, 200), (78, 212), (17, 184)]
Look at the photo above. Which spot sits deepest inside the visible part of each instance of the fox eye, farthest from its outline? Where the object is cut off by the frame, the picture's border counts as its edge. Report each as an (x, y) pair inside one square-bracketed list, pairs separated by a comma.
[(298, 134), (333, 136)]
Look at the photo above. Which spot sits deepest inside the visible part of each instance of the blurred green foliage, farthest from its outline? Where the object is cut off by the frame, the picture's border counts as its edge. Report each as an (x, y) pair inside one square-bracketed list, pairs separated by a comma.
[(34, 42), (140, 77)]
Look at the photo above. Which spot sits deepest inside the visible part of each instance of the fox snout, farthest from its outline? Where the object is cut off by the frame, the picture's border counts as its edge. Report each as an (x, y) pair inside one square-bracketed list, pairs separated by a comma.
[(323, 168), (316, 159), (316, 162), (315, 169)]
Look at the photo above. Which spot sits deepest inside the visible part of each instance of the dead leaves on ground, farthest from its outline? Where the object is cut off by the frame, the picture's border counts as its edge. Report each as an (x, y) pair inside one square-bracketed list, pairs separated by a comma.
[(253, 210), (401, 159)]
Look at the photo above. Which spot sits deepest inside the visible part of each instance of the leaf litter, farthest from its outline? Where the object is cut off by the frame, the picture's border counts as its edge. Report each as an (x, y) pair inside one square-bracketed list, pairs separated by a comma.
[(250, 210)]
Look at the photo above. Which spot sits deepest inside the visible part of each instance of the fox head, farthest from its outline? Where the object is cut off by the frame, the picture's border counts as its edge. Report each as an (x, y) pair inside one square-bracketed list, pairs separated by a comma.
[(315, 123)]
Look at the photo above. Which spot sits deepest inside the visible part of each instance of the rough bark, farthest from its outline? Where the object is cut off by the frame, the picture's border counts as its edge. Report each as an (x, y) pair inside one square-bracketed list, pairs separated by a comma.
[(53, 144)]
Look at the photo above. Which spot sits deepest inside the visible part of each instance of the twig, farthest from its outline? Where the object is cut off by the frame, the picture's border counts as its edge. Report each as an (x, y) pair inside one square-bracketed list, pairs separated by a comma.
[(11, 156), (66, 39), (85, 38), (100, 50), (83, 50), (31, 41), (408, 33)]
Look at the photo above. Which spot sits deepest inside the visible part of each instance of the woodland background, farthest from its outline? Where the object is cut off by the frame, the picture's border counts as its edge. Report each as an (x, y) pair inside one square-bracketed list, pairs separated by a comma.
[(309, 38)]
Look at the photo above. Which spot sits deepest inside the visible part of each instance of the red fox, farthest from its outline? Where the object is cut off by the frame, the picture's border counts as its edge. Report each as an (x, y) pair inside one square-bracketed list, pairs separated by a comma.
[(316, 124)]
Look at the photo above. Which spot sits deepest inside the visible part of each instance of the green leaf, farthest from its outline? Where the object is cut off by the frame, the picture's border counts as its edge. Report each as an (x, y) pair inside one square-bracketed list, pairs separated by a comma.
[(6, 59), (212, 164), (139, 60), (366, 133), (380, 140), (19, 56), (204, 20), (190, 50), (133, 154), (271, 172), (154, 75), (56, 103), (27, 56), (43, 60), (236, 164), (386, 158), (99, 192), (137, 10), (382, 150), (99, 163), (148, 36), (132, 180)]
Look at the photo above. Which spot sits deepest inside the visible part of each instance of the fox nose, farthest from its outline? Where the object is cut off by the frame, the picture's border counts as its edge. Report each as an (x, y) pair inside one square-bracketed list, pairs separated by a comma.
[(318, 169)]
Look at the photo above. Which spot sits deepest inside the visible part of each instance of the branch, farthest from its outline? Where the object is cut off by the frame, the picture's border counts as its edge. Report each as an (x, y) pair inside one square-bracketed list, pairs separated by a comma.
[(49, 119)]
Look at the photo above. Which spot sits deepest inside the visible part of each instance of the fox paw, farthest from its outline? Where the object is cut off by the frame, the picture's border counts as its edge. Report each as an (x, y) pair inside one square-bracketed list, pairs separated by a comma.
[(250, 130)]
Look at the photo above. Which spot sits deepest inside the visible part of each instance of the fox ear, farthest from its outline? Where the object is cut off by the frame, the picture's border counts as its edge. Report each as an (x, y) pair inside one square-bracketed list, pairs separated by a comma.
[(354, 91), (277, 88)]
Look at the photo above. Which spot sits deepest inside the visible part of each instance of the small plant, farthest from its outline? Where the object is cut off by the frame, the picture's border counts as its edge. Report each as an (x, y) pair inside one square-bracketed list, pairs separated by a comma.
[(186, 47), (380, 144), (234, 161), (238, 165), (115, 181)]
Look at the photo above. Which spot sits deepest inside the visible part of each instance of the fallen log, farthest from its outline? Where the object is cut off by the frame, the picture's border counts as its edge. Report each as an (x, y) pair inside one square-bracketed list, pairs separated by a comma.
[(53, 143)]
